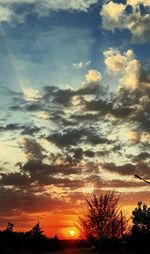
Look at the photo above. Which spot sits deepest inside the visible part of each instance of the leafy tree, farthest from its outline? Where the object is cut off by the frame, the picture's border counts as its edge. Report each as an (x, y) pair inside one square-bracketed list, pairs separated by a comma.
[(140, 233), (102, 218), (141, 219)]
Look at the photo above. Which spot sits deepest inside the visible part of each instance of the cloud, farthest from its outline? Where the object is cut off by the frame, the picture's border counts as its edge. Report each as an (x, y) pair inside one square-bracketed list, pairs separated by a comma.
[(139, 26), (92, 82), (11, 127), (68, 137), (72, 5), (101, 105), (81, 64), (26, 130), (126, 65), (16, 179), (126, 169), (41, 7), (17, 1), (74, 136), (138, 2), (93, 76), (30, 130), (140, 168), (116, 16), (32, 149), (5, 14), (115, 61), (132, 75), (30, 94), (111, 14), (78, 65), (123, 184), (27, 201), (134, 136), (63, 96), (44, 173), (141, 156)]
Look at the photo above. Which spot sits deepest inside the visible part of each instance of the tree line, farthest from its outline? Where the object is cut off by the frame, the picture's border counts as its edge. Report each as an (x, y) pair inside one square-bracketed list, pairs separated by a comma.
[(32, 241)]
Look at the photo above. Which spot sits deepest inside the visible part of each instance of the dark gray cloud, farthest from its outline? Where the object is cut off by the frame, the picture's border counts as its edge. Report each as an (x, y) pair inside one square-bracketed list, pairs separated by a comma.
[(140, 168), (101, 105), (126, 169), (141, 156), (26, 129), (30, 130), (74, 136), (27, 201), (38, 170), (16, 179), (33, 107), (11, 127), (32, 149)]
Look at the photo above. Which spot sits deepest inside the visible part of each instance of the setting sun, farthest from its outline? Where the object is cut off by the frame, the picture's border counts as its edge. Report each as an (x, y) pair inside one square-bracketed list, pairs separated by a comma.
[(72, 232)]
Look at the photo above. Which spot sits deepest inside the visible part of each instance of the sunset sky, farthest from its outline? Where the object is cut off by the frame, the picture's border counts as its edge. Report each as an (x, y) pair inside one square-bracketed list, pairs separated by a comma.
[(74, 108)]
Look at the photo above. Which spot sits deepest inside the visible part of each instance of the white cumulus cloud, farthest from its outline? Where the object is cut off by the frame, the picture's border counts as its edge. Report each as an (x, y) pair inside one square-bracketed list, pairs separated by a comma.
[(126, 65), (115, 61), (115, 15), (137, 2), (111, 14), (132, 75), (93, 76)]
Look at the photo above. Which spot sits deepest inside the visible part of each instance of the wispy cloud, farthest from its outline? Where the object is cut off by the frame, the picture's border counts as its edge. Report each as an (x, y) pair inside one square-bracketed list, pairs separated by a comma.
[(81, 64), (41, 8)]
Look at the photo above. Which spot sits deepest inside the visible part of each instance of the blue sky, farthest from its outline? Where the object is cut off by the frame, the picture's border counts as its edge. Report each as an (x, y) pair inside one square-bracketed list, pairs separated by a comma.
[(74, 102)]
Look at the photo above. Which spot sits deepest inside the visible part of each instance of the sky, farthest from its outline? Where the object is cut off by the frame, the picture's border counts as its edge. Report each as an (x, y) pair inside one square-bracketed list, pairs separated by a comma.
[(74, 108)]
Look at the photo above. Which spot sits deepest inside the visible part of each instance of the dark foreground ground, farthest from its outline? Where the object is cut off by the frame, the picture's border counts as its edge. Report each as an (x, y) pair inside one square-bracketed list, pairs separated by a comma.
[(75, 251), (87, 251)]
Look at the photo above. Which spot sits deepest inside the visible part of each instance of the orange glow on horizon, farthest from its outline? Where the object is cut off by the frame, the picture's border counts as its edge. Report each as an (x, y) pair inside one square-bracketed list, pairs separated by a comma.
[(60, 224)]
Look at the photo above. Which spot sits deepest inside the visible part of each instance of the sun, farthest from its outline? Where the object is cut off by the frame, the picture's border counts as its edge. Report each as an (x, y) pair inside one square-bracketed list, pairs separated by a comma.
[(72, 232)]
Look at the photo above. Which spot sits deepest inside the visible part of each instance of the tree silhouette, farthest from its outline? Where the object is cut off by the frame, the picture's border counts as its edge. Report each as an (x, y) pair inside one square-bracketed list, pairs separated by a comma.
[(36, 231), (33, 241), (141, 218), (102, 219), (10, 227), (141, 227)]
